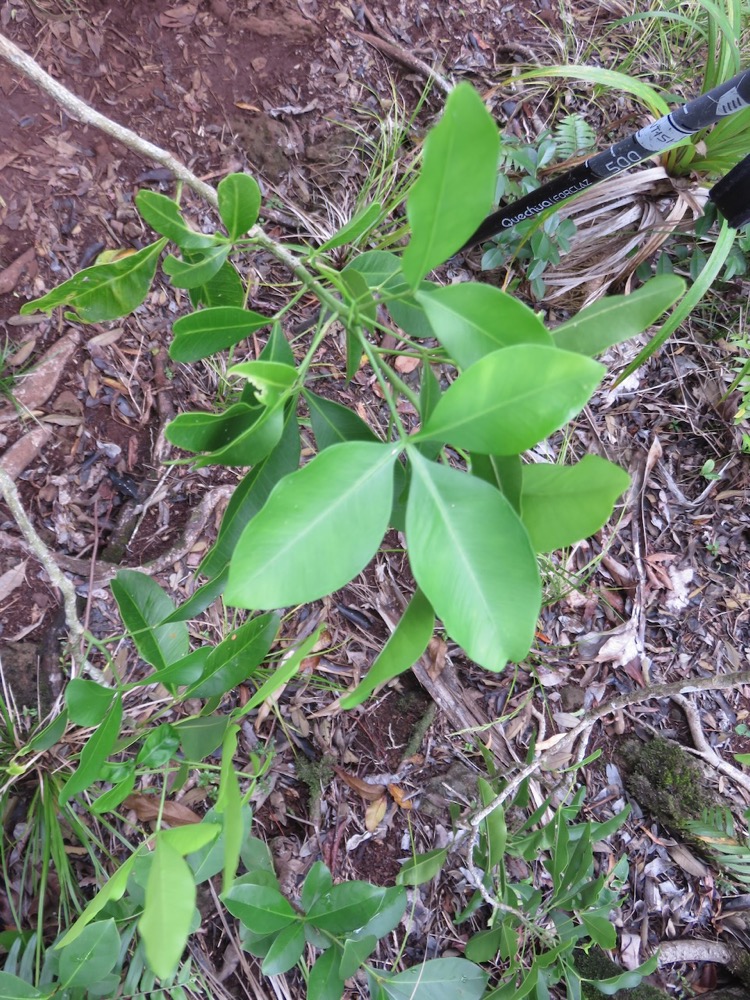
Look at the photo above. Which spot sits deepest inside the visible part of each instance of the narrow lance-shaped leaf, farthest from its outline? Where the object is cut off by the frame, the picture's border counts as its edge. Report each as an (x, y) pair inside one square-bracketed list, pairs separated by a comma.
[(456, 185), (512, 399), (105, 291), (355, 227), (168, 909), (333, 423), (471, 320), (239, 203), (318, 529), (562, 504), (473, 559), (237, 657), (618, 317), (403, 649), (94, 754)]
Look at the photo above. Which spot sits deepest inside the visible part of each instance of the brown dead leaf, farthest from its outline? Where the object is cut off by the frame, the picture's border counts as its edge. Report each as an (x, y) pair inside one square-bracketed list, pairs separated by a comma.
[(146, 808), (11, 275), (400, 797), (375, 813), (181, 16), (22, 355), (20, 455), (38, 385), (406, 364), (12, 579), (370, 792)]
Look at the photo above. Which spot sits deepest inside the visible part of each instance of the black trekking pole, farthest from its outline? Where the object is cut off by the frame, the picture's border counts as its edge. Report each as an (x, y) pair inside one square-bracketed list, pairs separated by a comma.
[(731, 195)]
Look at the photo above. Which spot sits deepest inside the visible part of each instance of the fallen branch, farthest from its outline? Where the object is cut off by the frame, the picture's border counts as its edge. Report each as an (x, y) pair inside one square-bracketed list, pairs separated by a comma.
[(45, 557)]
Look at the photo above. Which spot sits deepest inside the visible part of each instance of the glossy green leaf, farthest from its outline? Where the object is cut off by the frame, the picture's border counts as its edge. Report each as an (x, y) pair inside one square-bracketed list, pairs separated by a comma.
[(601, 930), (471, 320), (143, 604), (87, 701), (251, 445), (382, 272), (236, 657), (229, 804), (456, 185), (407, 643), (164, 217), (191, 837), (99, 746), (618, 317), (318, 529), (438, 979), (180, 673), (285, 951), (104, 291), (91, 956), (109, 801), (422, 868), (199, 269), (355, 227), (211, 431), (333, 423), (388, 915), (512, 399), (200, 737), (628, 980), (201, 598), (473, 559), (167, 914), (159, 747), (250, 495), (209, 860), (284, 673), (317, 882), (346, 907), (360, 297), (259, 907), (356, 951), (49, 735), (494, 829), (562, 504), (504, 472), (324, 982), (225, 288), (270, 379), (429, 392), (239, 203), (484, 946), (13, 988), (207, 331), (111, 891)]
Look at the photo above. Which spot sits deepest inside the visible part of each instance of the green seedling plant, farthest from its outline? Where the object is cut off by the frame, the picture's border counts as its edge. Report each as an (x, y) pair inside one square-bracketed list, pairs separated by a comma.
[(448, 472), (538, 242), (531, 933)]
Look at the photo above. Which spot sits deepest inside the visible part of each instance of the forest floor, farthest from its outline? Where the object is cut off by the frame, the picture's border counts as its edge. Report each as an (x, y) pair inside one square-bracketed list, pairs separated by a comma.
[(291, 91)]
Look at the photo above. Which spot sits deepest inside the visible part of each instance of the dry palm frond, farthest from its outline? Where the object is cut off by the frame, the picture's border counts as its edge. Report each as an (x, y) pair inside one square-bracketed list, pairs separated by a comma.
[(620, 224)]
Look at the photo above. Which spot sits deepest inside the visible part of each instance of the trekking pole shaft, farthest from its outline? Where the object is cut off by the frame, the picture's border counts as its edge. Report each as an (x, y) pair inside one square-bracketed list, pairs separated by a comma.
[(722, 101)]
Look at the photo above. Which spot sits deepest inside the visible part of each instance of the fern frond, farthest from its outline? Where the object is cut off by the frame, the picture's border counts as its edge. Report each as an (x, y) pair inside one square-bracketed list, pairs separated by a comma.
[(715, 834), (574, 135)]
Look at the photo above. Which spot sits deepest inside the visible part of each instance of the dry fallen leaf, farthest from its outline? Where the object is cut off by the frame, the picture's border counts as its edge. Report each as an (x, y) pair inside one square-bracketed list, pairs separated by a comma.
[(400, 797), (363, 788), (146, 808), (375, 813), (12, 579)]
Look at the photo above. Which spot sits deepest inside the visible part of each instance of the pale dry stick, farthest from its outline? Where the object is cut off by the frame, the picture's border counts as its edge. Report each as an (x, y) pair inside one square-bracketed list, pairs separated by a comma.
[(704, 750), (45, 557), (568, 739)]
